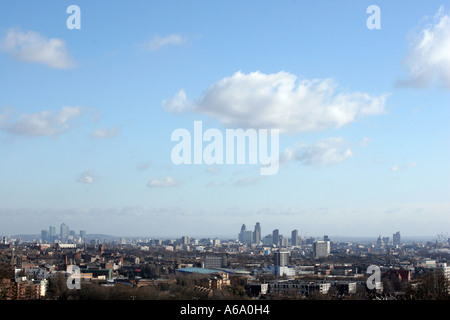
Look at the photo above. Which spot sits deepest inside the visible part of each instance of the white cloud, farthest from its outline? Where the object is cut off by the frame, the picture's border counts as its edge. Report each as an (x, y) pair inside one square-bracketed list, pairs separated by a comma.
[(32, 47), (159, 42), (87, 177), (280, 100), (325, 152), (177, 104), (167, 182), (406, 166), (45, 123), (105, 133), (428, 58)]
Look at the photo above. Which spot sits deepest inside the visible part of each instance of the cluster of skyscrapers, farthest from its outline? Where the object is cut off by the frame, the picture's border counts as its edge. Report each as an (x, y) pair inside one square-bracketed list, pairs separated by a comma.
[(65, 234), (275, 238)]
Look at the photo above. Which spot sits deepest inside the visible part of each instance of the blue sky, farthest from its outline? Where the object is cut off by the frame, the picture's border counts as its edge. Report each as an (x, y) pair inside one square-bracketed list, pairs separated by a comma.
[(86, 116)]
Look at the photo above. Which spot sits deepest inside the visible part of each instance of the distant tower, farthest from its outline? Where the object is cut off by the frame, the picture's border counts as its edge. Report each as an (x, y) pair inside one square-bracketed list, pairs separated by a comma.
[(64, 232), (396, 238), (276, 237), (51, 233), (257, 233), (241, 234), (294, 238), (380, 242)]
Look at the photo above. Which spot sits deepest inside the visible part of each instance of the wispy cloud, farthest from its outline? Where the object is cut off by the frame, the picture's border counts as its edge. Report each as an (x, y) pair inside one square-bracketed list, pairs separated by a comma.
[(87, 177), (44, 123), (406, 166), (428, 58), (32, 47), (177, 104), (329, 151), (158, 42), (105, 133), (248, 181), (167, 182)]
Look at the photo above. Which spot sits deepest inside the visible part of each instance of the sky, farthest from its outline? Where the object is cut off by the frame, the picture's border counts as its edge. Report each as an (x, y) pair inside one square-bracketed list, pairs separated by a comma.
[(91, 95)]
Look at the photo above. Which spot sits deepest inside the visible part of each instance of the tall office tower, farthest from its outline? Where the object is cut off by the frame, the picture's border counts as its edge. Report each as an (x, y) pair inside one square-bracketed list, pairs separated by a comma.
[(44, 235), (52, 233), (247, 236), (380, 242), (185, 240), (294, 238), (325, 238), (386, 241), (268, 240), (64, 232), (257, 233), (83, 235), (276, 237), (396, 238), (321, 249), (241, 234), (281, 258)]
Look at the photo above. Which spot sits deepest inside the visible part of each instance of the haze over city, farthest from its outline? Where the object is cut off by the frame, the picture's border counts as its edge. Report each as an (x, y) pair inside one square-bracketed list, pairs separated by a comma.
[(86, 117)]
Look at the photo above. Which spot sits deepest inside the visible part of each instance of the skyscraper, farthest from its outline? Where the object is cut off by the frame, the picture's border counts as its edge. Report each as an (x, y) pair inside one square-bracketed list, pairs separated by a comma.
[(241, 234), (396, 238), (294, 238), (51, 233), (257, 233), (83, 235), (44, 236), (276, 237), (64, 232)]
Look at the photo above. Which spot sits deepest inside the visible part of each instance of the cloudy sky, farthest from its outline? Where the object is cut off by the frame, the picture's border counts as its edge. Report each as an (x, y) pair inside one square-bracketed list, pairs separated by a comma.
[(86, 116)]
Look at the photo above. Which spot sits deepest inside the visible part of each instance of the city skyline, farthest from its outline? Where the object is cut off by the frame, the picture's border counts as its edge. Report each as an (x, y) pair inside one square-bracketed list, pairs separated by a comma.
[(69, 235), (87, 116)]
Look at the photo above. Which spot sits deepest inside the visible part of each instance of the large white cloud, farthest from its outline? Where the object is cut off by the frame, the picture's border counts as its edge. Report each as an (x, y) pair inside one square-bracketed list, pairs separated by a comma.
[(32, 47), (44, 123), (428, 58), (280, 100)]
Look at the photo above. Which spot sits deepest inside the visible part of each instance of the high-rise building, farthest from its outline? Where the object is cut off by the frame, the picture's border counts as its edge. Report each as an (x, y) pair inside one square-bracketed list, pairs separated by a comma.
[(247, 236), (294, 238), (268, 240), (241, 234), (64, 232), (83, 235), (52, 233), (257, 233), (380, 242), (281, 258), (396, 238), (185, 240), (321, 249), (276, 237), (44, 236)]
